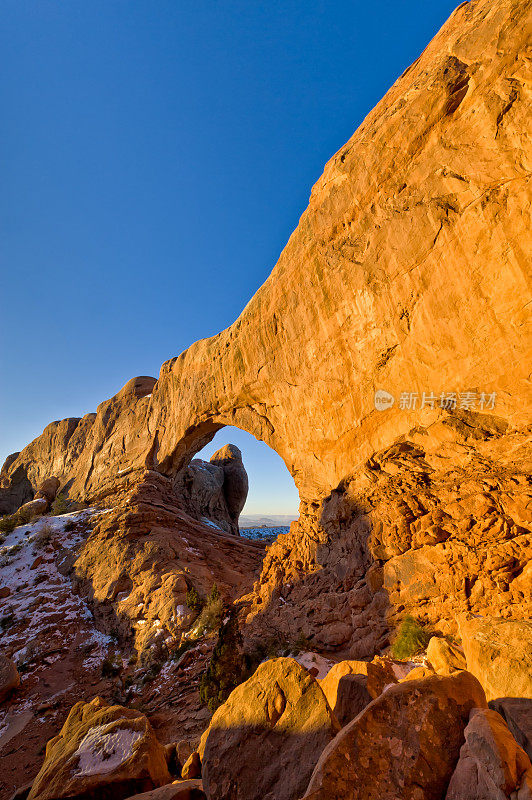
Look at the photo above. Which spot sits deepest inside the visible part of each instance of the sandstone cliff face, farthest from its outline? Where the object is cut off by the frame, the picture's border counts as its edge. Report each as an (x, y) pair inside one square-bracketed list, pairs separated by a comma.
[(436, 524), (408, 272)]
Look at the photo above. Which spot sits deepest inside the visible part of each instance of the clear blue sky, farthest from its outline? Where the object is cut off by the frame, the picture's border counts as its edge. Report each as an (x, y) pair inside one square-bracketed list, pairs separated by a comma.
[(155, 157)]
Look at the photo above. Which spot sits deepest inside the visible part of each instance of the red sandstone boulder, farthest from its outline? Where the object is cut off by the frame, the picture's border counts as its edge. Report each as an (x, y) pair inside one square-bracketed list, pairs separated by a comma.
[(48, 489), (405, 744), (499, 653), (346, 690), (492, 766), (9, 677), (178, 790), (101, 751), (517, 713), (266, 738)]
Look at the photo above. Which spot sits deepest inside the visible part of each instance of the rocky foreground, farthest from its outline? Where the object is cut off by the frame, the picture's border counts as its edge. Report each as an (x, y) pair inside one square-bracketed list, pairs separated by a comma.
[(382, 648)]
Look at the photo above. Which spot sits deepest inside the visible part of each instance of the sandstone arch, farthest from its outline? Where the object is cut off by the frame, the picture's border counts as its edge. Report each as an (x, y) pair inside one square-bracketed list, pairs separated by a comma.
[(409, 271)]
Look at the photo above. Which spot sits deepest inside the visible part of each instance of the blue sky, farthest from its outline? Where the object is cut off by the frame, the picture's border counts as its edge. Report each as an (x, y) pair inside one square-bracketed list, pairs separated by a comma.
[(155, 157)]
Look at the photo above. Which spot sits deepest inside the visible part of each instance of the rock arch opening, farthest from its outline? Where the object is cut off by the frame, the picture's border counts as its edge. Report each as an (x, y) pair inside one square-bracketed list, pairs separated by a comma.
[(236, 481)]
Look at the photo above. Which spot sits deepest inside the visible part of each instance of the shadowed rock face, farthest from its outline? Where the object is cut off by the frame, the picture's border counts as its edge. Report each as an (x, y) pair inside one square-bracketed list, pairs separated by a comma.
[(407, 273), (215, 490)]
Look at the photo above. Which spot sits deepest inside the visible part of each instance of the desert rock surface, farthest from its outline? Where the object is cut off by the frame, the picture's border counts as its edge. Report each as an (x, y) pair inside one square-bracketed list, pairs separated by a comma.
[(387, 361)]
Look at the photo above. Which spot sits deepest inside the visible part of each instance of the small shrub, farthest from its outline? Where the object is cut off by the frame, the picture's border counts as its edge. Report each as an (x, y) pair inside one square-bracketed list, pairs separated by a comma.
[(154, 669), (210, 617), (181, 650), (59, 506), (228, 666), (214, 595), (411, 638), (8, 523), (301, 644), (194, 601), (7, 620), (271, 647), (43, 536)]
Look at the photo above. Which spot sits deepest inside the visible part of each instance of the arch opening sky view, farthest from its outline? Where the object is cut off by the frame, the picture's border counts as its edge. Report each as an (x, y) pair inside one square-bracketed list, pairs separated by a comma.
[(155, 159), (271, 487)]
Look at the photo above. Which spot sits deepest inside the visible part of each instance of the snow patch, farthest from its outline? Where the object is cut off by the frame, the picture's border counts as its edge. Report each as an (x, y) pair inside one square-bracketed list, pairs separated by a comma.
[(211, 524), (310, 660), (102, 751), (42, 613)]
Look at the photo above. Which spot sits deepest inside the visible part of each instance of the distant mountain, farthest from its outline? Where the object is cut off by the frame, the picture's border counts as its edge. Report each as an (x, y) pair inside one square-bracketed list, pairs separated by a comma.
[(272, 521)]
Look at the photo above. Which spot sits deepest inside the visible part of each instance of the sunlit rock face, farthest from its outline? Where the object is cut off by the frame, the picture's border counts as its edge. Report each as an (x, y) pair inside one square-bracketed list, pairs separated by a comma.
[(407, 275)]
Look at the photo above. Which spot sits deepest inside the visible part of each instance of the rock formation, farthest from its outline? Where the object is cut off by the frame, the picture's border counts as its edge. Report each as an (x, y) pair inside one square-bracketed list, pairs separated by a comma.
[(499, 653), (406, 274), (215, 490), (491, 766), (409, 737), (387, 360), (146, 553), (517, 713), (100, 748), (266, 738), (9, 677)]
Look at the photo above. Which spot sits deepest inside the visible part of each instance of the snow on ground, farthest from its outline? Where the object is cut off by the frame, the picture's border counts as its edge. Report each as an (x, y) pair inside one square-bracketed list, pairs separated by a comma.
[(263, 533), (310, 660), (211, 524), (42, 613)]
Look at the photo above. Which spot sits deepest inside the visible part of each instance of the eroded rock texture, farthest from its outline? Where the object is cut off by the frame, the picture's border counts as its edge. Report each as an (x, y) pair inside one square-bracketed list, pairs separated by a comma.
[(146, 553), (408, 273)]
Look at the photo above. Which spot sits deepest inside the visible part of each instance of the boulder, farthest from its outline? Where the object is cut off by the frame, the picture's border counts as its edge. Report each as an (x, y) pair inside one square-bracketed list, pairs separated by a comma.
[(345, 687), (491, 766), (184, 750), (499, 653), (34, 508), (192, 767), (101, 751), (380, 675), (444, 656), (178, 790), (517, 713), (265, 740), (172, 759), (48, 489), (9, 677), (352, 697), (418, 673), (235, 479), (409, 737), (215, 490)]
